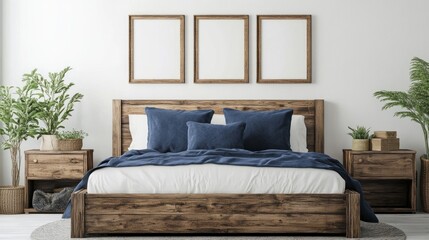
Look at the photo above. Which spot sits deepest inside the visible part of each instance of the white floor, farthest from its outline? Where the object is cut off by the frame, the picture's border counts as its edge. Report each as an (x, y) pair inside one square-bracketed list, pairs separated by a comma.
[(20, 226), (416, 226)]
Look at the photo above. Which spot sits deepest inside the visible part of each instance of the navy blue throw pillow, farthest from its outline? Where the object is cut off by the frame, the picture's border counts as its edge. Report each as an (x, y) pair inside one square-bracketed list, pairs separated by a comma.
[(264, 129), (167, 129), (212, 136)]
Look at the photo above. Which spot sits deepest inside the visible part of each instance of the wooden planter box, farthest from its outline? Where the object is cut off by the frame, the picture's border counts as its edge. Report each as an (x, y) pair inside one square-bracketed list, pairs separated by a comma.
[(382, 144)]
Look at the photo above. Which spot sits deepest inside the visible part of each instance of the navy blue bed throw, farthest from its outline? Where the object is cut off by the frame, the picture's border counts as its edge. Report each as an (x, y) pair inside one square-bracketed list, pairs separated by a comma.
[(238, 157)]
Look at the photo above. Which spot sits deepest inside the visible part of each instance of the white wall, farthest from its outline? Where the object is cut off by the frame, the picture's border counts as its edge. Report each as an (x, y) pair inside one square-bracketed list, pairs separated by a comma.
[(359, 46)]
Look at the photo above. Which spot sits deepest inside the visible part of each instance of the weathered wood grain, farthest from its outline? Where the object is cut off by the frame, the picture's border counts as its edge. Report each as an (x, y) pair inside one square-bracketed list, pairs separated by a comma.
[(222, 213), (214, 203), (383, 165), (78, 214), (215, 223), (352, 214)]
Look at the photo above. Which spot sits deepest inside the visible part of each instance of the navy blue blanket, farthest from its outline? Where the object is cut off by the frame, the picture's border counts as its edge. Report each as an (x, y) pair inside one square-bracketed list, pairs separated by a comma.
[(240, 157)]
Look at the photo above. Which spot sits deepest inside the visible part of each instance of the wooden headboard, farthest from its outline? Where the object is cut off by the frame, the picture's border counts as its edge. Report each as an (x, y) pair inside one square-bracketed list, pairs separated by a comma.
[(313, 110)]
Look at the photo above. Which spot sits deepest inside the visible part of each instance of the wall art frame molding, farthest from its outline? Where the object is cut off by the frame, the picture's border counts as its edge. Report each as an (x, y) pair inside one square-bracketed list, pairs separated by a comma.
[(296, 65), (164, 35), (214, 37)]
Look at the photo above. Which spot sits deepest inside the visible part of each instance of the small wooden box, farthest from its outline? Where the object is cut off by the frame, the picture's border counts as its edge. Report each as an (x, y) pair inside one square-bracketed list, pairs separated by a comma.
[(383, 144), (385, 134)]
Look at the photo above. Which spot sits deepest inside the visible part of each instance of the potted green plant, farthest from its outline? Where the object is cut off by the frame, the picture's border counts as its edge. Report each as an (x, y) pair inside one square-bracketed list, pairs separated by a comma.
[(415, 105), (18, 121), (56, 104), (360, 137), (71, 140)]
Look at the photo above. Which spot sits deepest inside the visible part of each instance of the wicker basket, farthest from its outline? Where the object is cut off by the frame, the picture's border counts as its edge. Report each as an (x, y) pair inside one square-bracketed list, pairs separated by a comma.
[(424, 183), (70, 144), (11, 200)]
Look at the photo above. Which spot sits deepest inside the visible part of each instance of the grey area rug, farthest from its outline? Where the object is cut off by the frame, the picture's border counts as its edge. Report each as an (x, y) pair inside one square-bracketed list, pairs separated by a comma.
[(60, 230)]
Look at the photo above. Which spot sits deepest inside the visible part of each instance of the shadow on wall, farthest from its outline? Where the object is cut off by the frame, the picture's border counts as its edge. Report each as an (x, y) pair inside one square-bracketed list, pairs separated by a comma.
[(1, 42), (3, 155)]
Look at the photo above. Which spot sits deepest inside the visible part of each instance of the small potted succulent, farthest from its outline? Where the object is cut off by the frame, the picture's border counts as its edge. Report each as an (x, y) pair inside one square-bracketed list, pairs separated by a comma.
[(71, 140), (55, 104), (360, 137)]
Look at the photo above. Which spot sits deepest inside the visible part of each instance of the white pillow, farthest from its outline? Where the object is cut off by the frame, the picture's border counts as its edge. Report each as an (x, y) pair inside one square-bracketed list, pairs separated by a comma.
[(139, 131), (298, 134)]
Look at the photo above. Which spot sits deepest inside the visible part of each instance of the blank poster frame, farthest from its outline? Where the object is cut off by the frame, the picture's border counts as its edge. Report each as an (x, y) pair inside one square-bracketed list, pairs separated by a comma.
[(197, 41), (308, 52), (132, 45)]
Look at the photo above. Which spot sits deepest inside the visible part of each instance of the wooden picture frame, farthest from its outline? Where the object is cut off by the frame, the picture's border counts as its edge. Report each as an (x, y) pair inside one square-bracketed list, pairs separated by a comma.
[(221, 48), (156, 48), (284, 49)]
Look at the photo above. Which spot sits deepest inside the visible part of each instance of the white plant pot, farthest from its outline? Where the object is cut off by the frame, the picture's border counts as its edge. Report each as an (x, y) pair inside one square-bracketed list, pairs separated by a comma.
[(49, 143)]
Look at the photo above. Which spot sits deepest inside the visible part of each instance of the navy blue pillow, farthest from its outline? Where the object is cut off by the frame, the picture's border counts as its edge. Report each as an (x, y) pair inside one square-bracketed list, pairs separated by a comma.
[(264, 129), (212, 136), (167, 129)]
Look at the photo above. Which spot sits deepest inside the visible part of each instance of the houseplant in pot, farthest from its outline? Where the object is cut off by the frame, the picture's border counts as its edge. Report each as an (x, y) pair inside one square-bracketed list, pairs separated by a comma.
[(71, 140), (56, 104), (414, 105), (18, 121), (360, 137)]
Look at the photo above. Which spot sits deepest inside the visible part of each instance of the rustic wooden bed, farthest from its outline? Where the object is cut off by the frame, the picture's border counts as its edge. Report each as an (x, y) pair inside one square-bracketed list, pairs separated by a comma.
[(95, 214)]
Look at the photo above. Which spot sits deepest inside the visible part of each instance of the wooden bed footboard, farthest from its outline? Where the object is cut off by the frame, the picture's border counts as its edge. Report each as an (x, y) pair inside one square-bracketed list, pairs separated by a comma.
[(94, 214)]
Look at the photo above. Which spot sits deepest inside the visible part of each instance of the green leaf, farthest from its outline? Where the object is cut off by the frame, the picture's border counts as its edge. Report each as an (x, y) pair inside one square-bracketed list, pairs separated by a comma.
[(415, 101)]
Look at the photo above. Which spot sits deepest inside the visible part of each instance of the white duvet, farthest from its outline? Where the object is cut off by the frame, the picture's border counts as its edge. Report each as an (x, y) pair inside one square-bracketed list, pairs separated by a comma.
[(212, 178)]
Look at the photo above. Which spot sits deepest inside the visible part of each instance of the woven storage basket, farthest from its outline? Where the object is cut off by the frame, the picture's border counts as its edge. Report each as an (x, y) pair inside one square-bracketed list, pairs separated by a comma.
[(11, 200), (424, 183), (70, 144)]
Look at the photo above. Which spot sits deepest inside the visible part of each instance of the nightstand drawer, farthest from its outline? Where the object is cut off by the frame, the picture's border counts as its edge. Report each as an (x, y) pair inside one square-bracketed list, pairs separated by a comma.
[(55, 166), (383, 165)]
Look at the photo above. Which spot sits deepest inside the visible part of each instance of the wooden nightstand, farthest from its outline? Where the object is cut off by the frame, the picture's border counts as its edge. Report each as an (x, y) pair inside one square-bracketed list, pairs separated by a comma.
[(49, 170), (388, 178)]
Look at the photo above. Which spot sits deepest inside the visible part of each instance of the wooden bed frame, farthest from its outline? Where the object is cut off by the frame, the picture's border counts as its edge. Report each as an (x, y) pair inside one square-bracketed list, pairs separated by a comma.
[(95, 214)]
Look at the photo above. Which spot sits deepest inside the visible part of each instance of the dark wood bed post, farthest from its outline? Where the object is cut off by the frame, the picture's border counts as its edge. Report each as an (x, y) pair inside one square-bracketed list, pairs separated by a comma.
[(319, 126), (352, 214), (78, 214), (116, 127)]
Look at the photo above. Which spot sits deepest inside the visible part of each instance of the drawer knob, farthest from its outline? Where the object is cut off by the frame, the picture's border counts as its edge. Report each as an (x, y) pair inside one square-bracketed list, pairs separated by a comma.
[(35, 161), (74, 160), (360, 160)]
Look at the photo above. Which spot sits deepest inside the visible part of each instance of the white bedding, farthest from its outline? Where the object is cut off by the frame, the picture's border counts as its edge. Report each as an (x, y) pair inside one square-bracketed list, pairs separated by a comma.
[(212, 178)]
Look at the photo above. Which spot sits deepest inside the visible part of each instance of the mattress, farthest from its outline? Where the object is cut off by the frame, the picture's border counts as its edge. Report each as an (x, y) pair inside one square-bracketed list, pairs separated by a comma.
[(213, 178)]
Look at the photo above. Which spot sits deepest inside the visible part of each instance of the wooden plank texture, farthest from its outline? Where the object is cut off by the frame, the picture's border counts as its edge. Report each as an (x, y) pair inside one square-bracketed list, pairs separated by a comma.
[(220, 213), (215, 223), (383, 165), (78, 214), (210, 204), (352, 214)]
